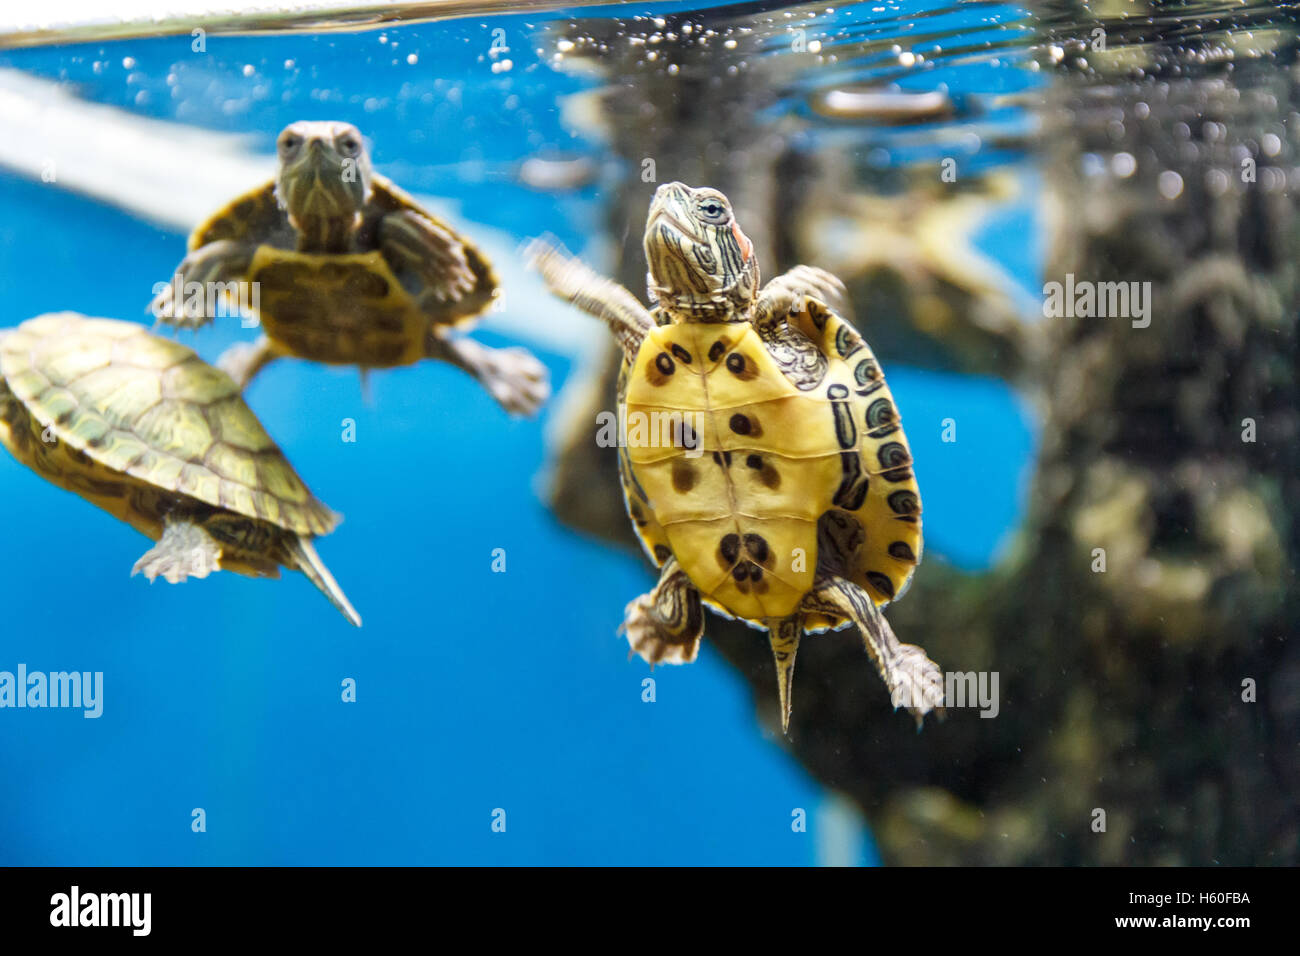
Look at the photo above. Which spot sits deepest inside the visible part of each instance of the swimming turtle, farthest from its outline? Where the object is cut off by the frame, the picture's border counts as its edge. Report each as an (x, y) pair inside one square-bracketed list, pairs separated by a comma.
[(770, 479), (142, 427), (343, 267)]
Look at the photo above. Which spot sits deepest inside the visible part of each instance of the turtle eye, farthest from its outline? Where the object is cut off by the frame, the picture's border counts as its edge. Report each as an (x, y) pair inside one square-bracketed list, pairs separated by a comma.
[(713, 210), (349, 145), (289, 142)]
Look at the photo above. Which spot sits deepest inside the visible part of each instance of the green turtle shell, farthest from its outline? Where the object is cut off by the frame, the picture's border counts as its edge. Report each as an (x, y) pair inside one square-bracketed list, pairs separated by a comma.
[(110, 411)]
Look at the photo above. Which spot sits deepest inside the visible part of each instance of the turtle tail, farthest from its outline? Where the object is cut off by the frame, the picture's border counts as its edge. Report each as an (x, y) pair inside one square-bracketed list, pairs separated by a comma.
[(301, 554)]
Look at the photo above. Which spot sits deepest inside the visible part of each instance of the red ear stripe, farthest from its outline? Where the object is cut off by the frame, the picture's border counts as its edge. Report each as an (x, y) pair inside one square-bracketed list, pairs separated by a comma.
[(746, 247)]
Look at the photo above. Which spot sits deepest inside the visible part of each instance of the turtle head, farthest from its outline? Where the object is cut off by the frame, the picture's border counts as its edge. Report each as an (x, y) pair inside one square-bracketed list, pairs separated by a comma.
[(702, 267), (323, 181)]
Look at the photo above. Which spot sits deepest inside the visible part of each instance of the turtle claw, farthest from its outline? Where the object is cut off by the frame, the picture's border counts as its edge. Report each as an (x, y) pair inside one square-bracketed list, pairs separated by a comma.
[(915, 682), (164, 309), (517, 380), (665, 625), (514, 377), (224, 261), (184, 551), (647, 636)]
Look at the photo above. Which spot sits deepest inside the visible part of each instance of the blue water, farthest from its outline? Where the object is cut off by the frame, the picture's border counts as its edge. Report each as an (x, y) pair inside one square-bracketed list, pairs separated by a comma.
[(476, 690)]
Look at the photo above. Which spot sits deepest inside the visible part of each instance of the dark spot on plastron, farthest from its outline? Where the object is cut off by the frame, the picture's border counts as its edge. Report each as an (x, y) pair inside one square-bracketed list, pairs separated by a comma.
[(755, 462), (683, 475), (726, 458), (740, 572), (741, 424), (755, 573), (716, 350), (664, 363), (743, 368), (904, 502), (717, 458), (770, 477), (902, 551), (881, 583), (757, 547), (729, 549), (662, 553), (682, 355)]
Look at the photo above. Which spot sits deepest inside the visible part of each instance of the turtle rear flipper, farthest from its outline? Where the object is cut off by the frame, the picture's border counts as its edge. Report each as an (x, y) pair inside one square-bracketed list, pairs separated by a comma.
[(914, 681), (665, 625), (514, 377), (185, 550)]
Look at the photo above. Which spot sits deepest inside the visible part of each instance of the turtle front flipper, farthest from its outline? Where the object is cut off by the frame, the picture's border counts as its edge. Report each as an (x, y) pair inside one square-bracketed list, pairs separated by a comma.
[(451, 280), (665, 625), (788, 291), (914, 681), (221, 263), (185, 550), (572, 280), (513, 376)]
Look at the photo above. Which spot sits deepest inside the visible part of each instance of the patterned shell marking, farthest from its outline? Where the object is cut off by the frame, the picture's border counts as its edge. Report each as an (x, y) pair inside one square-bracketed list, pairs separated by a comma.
[(151, 408), (775, 459)]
